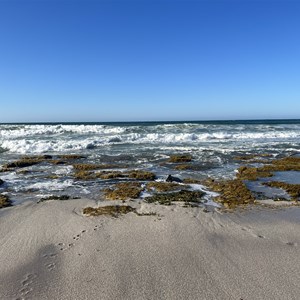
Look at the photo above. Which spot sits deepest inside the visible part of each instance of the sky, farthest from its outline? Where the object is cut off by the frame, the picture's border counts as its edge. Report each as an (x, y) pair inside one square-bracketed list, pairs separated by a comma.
[(149, 60)]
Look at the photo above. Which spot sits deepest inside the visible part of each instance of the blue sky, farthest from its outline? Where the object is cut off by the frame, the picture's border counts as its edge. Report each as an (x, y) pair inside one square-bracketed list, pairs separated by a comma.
[(148, 60)]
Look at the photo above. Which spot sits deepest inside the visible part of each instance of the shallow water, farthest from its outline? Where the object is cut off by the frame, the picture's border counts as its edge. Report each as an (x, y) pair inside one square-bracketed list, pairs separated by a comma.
[(147, 146)]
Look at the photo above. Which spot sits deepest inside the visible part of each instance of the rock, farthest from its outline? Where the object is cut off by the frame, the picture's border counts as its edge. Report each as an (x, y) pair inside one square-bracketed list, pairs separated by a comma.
[(4, 201), (1, 181), (171, 178)]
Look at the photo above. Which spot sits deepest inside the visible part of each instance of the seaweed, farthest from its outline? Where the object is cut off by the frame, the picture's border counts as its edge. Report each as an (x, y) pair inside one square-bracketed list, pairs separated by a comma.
[(124, 191), (233, 193), (163, 186), (283, 164), (110, 175), (4, 201), (292, 189), (84, 175), (181, 196), (141, 175), (111, 210), (252, 173), (192, 181), (71, 156), (178, 158)]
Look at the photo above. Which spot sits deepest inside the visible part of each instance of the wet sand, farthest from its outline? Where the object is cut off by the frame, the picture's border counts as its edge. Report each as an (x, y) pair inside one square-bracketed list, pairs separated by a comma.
[(51, 251)]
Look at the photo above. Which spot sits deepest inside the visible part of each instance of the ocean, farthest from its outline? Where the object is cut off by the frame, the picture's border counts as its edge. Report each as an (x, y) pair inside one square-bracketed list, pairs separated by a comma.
[(213, 145)]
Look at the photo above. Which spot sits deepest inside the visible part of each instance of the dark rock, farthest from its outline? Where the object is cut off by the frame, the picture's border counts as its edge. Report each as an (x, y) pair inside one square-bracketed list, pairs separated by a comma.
[(171, 178)]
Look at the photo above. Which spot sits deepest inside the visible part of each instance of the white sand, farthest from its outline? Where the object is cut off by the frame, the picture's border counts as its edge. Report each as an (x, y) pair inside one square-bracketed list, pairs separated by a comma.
[(51, 251)]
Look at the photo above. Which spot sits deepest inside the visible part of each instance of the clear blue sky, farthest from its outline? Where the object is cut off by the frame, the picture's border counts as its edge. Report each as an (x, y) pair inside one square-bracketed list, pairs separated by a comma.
[(149, 60)]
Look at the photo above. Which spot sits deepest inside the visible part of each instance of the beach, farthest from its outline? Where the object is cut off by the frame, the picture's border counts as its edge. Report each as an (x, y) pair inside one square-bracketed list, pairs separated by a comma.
[(51, 250), (199, 210)]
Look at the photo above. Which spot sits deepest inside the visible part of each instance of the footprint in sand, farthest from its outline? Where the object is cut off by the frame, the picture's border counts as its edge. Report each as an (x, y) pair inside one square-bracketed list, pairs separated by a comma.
[(50, 255), (98, 226), (294, 244), (26, 285), (50, 266), (248, 230), (78, 236)]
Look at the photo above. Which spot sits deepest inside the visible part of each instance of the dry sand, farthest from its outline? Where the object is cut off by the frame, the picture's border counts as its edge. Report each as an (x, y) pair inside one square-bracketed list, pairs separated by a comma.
[(51, 251)]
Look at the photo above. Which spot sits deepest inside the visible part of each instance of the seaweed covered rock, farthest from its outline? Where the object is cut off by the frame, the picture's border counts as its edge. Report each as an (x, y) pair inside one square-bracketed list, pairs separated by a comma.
[(123, 191), (252, 173), (232, 192), (26, 161), (84, 175), (254, 158), (267, 170), (191, 181), (163, 186), (141, 175), (111, 210), (292, 189), (54, 197), (291, 163), (20, 164), (181, 196), (86, 167), (4, 201), (71, 156), (179, 158), (110, 175)]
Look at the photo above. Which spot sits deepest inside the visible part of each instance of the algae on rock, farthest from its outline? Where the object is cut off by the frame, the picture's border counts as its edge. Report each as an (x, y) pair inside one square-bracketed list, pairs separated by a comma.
[(179, 158), (111, 210), (181, 196), (124, 191), (4, 201)]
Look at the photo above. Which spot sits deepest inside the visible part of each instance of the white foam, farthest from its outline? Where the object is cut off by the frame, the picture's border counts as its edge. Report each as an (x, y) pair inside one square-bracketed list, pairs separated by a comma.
[(51, 185), (15, 131), (25, 139)]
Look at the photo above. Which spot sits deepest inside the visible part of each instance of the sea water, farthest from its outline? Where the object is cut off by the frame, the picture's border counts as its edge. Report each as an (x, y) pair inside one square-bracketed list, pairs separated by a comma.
[(214, 146)]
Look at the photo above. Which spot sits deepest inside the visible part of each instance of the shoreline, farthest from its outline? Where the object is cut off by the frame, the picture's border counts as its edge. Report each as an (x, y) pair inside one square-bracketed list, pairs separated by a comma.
[(50, 250)]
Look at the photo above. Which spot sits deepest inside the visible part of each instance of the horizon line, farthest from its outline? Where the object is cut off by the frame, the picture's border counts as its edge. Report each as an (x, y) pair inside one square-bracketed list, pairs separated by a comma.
[(152, 121)]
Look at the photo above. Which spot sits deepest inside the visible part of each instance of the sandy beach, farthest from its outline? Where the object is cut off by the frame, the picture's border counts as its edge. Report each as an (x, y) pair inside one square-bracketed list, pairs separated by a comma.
[(51, 250)]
